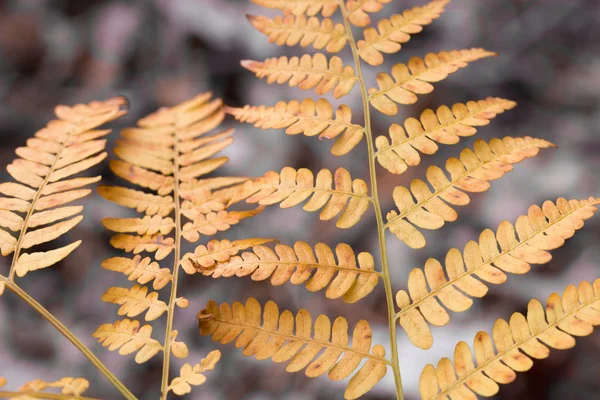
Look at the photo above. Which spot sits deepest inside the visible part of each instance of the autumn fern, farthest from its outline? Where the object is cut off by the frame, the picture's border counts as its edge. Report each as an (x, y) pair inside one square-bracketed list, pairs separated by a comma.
[(168, 153), (321, 346), (35, 210)]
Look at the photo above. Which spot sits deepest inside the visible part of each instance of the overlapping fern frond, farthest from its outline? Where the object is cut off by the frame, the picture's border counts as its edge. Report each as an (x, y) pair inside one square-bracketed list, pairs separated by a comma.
[(283, 337), (343, 278), (513, 344), (470, 173), (67, 146), (291, 187), (510, 250), (168, 153)]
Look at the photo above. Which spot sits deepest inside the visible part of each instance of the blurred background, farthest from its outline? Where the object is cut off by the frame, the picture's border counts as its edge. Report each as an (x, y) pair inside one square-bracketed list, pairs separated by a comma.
[(160, 52)]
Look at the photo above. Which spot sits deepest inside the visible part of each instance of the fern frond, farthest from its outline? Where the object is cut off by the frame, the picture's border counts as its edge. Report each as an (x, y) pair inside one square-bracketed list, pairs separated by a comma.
[(141, 270), (192, 376), (270, 334), (135, 300), (309, 118), (306, 72), (358, 10), (444, 126), (127, 337), (291, 30), (299, 7), (142, 202), (342, 278), (163, 246), (148, 225), (392, 32), (291, 187), (413, 78), (470, 173), (506, 251), (66, 146), (214, 222), (513, 344), (217, 251)]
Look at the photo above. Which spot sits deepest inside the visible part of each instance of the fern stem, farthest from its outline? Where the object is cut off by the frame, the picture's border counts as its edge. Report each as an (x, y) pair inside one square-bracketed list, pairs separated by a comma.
[(69, 335), (43, 395), (176, 262), (377, 206)]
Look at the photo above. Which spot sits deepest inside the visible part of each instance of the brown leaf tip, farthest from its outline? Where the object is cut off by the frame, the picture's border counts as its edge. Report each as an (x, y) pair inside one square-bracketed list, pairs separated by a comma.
[(203, 316)]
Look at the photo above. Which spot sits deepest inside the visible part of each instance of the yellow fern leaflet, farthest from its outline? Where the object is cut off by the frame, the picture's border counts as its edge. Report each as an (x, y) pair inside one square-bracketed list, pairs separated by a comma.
[(66, 146), (193, 376), (291, 30), (510, 250), (309, 118), (444, 126), (216, 251), (69, 388), (127, 337), (276, 338), (135, 301), (392, 32), (298, 265), (291, 187), (214, 222), (358, 10), (299, 7), (141, 270), (470, 173), (516, 342), (409, 80), (306, 72)]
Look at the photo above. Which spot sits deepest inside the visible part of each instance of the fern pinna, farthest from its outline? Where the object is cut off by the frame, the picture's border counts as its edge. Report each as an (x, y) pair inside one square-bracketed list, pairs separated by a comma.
[(322, 346), (34, 211), (167, 154)]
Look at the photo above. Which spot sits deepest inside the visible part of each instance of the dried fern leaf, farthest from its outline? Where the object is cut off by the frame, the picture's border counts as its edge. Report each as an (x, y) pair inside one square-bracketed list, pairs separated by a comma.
[(2, 288), (193, 376), (147, 225), (300, 7), (358, 10), (392, 32), (66, 146), (298, 265), (307, 72), (70, 388), (291, 187), (142, 202), (135, 300), (28, 262), (510, 250), (162, 184), (409, 80), (217, 251), (127, 336), (161, 245), (276, 338), (444, 126), (141, 270), (309, 118), (470, 173), (514, 344), (291, 30), (214, 222)]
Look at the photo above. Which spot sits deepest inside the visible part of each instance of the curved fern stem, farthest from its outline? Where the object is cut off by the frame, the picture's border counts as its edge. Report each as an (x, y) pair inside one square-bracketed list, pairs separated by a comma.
[(378, 215), (70, 336), (176, 262)]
